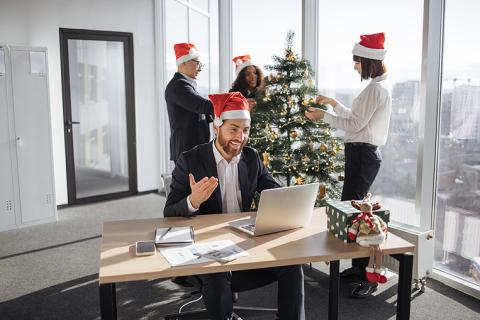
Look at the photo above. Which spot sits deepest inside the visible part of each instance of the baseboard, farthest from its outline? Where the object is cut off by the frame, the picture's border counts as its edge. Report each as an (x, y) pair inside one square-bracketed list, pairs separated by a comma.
[(28, 224), (456, 283), (141, 193)]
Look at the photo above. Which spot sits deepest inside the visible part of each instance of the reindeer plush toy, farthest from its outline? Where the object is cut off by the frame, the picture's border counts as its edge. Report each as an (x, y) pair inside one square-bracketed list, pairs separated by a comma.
[(370, 230)]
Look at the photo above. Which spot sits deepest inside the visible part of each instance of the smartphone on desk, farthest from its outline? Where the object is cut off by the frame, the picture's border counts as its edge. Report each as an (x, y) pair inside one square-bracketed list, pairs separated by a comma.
[(145, 248)]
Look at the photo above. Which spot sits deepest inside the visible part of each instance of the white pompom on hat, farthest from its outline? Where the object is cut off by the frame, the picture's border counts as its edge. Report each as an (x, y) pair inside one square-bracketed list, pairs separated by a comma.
[(185, 51), (370, 46), (230, 105)]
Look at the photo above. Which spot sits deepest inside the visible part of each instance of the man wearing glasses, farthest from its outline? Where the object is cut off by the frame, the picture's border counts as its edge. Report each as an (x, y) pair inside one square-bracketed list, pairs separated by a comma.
[(189, 113)]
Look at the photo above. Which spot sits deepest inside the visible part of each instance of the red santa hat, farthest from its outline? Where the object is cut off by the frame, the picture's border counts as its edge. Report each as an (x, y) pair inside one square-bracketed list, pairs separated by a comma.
[(242, 62), (370, 46), (185, 51), (231, 105)]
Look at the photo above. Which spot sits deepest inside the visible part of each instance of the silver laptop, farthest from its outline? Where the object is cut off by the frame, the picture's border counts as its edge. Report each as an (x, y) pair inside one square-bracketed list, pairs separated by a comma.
[(281, 209)]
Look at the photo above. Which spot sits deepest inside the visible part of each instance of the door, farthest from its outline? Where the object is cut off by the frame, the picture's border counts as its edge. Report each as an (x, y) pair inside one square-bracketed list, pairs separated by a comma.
[(98, 94), (31, 111)]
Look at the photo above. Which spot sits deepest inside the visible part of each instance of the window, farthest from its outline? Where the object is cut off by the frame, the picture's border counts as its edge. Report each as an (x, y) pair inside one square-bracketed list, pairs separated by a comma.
[(457, 218), (260, 28), (340, 25), (195, 22)]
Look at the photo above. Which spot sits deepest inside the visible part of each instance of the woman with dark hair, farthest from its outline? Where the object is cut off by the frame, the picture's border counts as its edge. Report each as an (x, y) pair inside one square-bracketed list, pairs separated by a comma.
[(249, 79), (366, 126)]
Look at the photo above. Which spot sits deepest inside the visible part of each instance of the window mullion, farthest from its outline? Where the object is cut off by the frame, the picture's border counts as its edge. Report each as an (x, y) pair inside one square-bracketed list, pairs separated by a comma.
[(225, 42), (430, 112)]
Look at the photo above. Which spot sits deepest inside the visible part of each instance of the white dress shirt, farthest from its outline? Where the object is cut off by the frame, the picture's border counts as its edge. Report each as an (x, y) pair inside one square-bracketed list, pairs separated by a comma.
[(228, 182), (369, 118)]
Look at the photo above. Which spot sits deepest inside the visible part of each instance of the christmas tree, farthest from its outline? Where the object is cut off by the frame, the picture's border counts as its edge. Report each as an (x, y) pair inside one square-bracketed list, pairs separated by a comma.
[(295, 149)]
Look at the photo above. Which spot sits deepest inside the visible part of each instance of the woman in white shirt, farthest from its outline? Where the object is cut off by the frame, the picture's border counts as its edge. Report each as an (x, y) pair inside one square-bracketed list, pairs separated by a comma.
[(366, 128)]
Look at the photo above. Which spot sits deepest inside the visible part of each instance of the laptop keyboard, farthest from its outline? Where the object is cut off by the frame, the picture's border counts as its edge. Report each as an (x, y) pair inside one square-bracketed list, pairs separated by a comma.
[(249, 227)]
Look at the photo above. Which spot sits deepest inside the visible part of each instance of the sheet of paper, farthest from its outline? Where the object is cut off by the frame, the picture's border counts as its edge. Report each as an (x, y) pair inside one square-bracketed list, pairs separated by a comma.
[(222, 251)]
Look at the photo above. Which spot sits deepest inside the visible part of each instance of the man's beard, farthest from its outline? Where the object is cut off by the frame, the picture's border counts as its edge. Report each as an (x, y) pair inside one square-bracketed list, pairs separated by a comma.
[(227, 148)]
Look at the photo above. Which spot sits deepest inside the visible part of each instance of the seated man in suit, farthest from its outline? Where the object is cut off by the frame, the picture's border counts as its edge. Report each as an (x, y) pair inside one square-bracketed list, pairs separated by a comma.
[(189, 113), (221, 177)]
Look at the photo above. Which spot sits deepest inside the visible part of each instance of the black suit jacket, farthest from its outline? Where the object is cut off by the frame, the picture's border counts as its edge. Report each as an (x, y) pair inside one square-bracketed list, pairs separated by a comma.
[(200, 161), (189, 115)]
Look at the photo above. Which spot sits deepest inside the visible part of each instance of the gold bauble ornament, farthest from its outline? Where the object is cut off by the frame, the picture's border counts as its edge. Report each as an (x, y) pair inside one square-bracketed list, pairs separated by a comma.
[(323, 147), (290, 56), (273, 136), (293, 134), (266, 158)]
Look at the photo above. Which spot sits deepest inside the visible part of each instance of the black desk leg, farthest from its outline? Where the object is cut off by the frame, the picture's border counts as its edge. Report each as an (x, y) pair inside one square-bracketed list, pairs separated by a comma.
[(333, 290), (108, 301), (404, 285)]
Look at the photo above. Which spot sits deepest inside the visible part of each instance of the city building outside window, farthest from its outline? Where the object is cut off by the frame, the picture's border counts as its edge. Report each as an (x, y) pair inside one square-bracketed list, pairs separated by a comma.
[(457, 216)]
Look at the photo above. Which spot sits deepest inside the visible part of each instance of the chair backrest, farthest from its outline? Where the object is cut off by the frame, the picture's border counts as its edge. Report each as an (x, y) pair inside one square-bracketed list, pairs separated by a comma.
[(167, 179)]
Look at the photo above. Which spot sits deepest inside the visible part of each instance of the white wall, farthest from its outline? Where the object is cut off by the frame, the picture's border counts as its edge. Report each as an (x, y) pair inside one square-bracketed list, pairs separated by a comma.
[(37, 23)]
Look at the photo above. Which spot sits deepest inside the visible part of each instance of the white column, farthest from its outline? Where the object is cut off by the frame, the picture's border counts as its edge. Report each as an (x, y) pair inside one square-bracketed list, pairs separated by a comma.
[(429, 112), (160, 84), (225, 43), (310, 33)]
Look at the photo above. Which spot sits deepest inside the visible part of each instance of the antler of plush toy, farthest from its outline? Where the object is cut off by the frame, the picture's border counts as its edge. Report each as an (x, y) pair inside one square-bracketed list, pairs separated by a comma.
[(366, 199)]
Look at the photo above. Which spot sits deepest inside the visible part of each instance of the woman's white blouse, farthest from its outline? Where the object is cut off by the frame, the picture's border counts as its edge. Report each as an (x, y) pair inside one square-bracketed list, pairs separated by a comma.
[(369, 118)]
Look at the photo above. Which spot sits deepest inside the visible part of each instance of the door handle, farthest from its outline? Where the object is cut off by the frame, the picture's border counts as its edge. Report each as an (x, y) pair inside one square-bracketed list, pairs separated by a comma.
[(70, 122)]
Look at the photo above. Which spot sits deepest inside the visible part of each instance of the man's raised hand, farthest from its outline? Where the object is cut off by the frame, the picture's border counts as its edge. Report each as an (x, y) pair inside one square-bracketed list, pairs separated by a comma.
[(201, 190)]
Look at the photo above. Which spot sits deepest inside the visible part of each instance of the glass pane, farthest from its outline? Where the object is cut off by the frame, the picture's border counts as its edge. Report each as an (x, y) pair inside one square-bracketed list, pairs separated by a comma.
[(176, 31), (214, 48), (199, 35), (201, 4), (97, 85), (261, 37), (457, 218), (340, 25)]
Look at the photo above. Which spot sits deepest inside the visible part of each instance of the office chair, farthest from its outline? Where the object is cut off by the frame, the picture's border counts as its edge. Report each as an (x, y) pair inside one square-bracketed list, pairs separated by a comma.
[(194, 281)]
